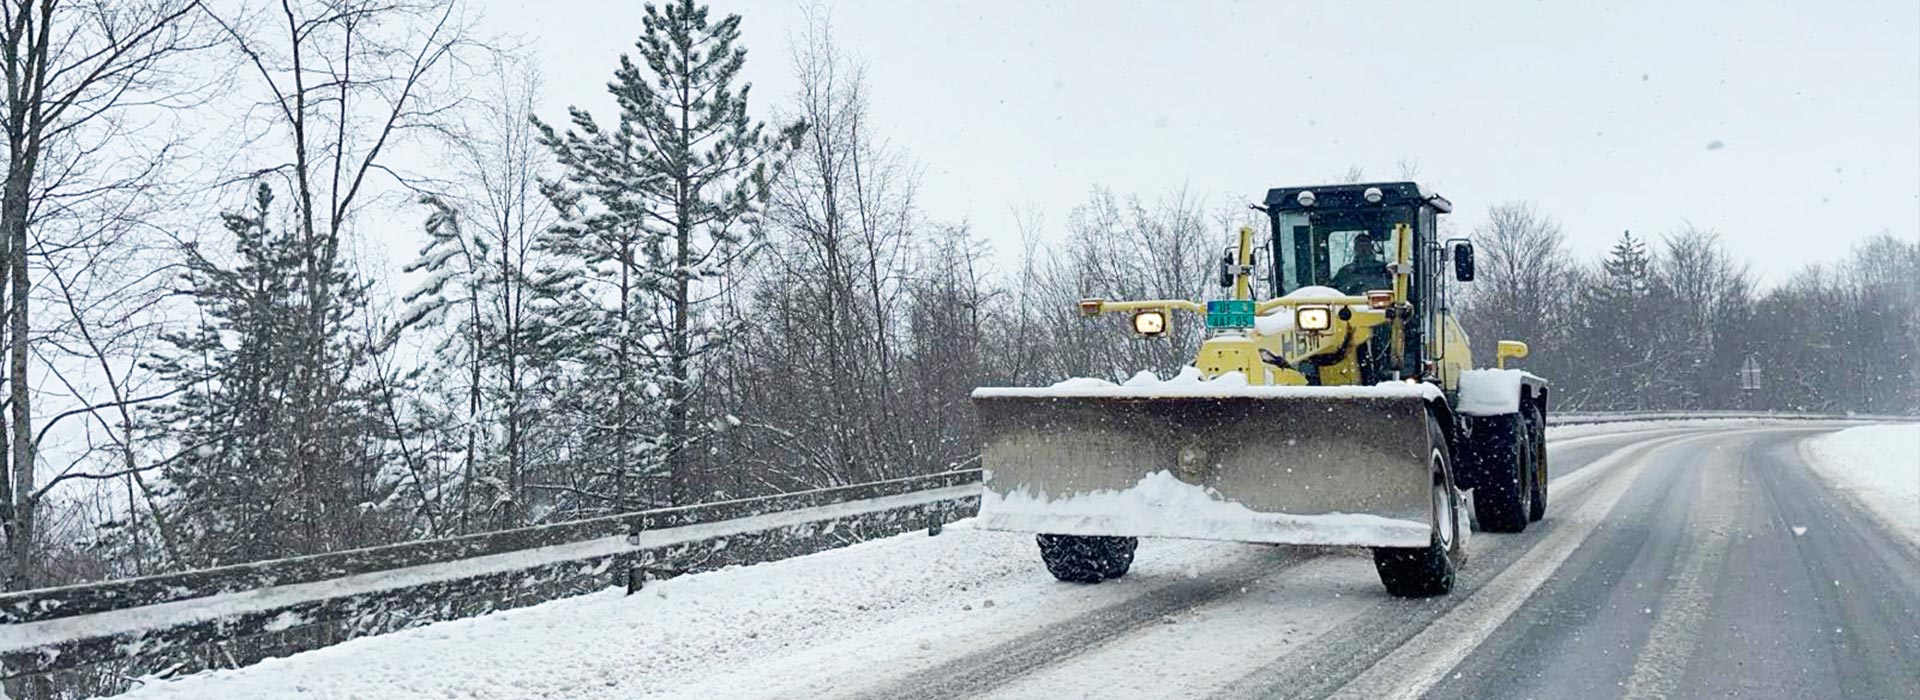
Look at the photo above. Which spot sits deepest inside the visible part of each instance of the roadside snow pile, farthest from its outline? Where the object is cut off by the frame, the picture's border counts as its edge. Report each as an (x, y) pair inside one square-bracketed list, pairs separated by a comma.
[(1161, 505), (1189, 384), (1490, 392), (787, 629), (1879, 465)]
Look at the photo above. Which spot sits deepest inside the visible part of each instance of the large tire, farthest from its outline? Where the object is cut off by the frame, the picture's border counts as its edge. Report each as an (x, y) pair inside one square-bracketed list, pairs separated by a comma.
[(1078, 559), (1503, 500), (1536, 426), (1419, 572)]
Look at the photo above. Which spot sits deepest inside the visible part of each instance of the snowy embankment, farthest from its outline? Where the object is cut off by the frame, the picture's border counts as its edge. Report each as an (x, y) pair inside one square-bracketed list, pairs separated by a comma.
[(887, 606), (1880, 466)]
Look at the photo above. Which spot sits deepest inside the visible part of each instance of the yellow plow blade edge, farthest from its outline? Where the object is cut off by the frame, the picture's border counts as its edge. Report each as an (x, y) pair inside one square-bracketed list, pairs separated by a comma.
[(1339, 468)]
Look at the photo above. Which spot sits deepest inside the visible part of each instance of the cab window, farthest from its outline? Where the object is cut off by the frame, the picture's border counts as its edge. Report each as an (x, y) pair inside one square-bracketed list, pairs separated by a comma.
[(1346, 250)]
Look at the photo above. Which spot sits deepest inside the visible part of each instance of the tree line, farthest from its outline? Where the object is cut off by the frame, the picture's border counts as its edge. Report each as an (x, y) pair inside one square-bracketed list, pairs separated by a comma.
[(1670, 323), (669, 303)]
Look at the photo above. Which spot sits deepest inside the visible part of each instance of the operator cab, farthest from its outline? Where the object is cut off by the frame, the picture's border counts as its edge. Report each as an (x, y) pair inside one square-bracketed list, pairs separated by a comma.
[(1348, 238), (1345, 236)]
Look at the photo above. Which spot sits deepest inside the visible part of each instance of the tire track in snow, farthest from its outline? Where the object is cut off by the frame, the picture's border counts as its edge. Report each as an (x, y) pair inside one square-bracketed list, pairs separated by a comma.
[(1684, 607), (1209, 647), (985, 670), (1412, 668), (1341, 657)]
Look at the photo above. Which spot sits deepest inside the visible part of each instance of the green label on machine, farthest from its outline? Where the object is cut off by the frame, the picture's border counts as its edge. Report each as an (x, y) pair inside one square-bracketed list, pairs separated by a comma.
[(1230, 313)]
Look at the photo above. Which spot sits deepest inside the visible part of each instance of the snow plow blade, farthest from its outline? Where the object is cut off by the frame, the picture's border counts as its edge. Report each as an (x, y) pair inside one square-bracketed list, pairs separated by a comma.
[(1342, 466)]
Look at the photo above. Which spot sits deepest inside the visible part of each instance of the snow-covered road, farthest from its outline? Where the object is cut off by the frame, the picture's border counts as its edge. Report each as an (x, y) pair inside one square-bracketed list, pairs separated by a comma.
[(1656, 533)]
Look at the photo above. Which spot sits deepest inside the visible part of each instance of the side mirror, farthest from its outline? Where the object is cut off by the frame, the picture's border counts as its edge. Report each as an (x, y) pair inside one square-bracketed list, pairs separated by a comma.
[(1463, 261), (1226, 268)]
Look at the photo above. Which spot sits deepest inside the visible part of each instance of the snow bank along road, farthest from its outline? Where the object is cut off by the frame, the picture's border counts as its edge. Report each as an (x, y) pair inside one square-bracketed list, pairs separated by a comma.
[(1697, 560)]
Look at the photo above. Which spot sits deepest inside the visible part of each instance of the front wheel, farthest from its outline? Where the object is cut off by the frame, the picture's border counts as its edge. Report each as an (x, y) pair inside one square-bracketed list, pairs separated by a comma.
[(1084, 559), (1419, 572)]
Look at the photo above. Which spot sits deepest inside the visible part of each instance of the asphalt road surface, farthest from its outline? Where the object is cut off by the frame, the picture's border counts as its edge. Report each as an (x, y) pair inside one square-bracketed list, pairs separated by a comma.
[(1676, 564)]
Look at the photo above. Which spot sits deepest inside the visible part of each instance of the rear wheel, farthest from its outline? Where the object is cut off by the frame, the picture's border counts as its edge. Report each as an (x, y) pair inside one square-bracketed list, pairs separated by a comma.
[(1083, 559), (1503, 499), (1537, 507), (1418, 572)]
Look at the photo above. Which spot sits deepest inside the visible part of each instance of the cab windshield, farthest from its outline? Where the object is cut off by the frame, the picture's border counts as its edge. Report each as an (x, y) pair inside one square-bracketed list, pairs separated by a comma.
[(1346, 250)]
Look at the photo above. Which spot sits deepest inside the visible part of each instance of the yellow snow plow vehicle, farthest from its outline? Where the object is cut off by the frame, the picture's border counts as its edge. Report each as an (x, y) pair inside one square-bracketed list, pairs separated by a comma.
[(1339, 408)]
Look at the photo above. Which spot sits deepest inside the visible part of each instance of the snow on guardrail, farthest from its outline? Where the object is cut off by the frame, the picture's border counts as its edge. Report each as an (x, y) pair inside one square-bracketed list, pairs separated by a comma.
[(81, 641), (1583, 418)]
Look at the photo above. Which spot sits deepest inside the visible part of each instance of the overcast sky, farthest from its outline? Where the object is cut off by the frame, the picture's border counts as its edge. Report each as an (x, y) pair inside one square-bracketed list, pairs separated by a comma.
[(1791, 128)]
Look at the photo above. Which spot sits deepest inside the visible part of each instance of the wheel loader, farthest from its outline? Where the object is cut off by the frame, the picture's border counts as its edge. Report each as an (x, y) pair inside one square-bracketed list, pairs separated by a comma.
[(1334, 403)]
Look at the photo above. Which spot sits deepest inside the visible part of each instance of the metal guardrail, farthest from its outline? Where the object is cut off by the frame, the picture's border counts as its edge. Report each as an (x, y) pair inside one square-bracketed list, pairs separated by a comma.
[(1586, 418), (93, 639)]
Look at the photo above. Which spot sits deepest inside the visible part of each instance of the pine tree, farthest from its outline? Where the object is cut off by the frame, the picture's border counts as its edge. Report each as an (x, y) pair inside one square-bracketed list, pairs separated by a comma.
[(665, 209), (1626, 268), (1612, 333), (497, 315), (277, 456)]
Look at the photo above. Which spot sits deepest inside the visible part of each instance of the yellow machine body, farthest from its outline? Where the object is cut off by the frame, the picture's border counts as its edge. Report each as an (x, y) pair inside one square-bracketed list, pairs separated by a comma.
[(1282, 457)]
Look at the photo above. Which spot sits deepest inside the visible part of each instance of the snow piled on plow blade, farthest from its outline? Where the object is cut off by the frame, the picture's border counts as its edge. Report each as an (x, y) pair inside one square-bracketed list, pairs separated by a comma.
[(1188, 384), (1210, 459), (1163, 506)]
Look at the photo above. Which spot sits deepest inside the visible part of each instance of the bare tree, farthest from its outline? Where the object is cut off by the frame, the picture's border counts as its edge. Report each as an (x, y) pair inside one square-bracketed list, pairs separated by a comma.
[(1126, 248), (73, 72), (1712, 297), (1522, 287), (839, 222), (340, 85)]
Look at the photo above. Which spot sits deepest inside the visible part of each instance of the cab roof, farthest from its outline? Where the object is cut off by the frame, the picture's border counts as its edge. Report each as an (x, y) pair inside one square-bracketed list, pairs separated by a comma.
[(1354, 197)]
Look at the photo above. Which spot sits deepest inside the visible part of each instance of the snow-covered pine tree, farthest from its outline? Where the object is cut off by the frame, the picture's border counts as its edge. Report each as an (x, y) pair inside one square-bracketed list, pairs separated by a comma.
[(458, 297), (276, 457), (669, 200), (1612, 332), (597, 277), (497, 312)]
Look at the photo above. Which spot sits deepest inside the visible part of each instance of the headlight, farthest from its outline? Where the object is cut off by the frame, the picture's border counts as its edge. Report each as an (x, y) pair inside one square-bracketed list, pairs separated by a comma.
[(1151, 323), (1313, 318)]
